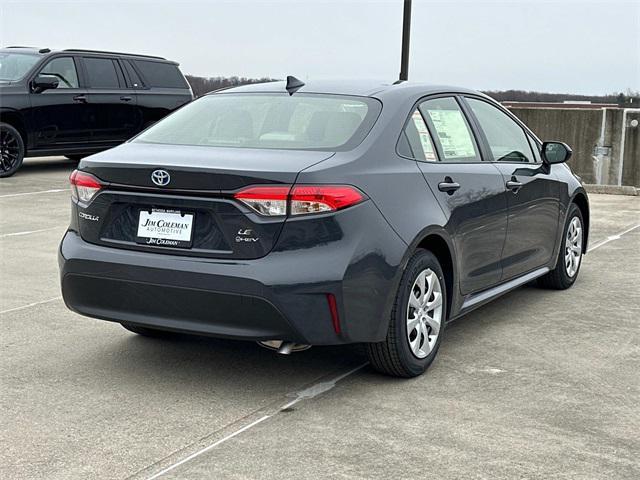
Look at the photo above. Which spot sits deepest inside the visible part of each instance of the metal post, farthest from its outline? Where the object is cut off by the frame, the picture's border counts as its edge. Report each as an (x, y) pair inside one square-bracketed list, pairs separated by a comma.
[(406, 34)]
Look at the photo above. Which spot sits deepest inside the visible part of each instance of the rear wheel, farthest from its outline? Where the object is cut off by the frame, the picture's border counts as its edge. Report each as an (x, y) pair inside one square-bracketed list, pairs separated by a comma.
[(417, 320), (146, 331), (570, 254), (11, 150)]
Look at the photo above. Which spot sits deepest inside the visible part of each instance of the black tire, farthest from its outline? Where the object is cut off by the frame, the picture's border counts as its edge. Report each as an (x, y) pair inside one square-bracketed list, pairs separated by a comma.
[(394, 356), (559, 278), (75, 158), (147, 332), (11, 150)]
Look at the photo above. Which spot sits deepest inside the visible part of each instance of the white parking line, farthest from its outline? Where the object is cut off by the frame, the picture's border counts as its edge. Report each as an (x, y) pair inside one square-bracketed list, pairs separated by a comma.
[(310, 392), (611, 238), (31, 305), (28, 232), (56, 190)]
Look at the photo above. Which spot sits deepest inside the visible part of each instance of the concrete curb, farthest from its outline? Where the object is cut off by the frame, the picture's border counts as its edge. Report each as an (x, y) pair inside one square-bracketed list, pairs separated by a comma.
[(612, 189)]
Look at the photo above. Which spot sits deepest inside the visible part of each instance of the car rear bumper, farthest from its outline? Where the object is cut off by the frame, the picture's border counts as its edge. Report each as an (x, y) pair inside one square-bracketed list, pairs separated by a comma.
[(281, 296)]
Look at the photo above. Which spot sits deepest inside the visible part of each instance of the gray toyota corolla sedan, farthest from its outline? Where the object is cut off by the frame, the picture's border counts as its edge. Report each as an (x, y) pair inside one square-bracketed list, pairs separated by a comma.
[(322, 214)]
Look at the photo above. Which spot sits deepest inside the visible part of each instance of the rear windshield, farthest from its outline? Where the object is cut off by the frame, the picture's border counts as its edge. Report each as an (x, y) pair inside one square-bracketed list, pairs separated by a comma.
[(257, 120), (161, 75)]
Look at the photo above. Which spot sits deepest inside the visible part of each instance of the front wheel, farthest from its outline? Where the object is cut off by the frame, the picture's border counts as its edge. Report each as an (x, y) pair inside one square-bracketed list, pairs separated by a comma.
[(11, 150), (417, 320), (570, 255)]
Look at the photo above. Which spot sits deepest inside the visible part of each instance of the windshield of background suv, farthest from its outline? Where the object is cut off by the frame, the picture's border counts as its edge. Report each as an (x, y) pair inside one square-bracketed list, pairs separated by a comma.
[(14, 66), (273, 120)]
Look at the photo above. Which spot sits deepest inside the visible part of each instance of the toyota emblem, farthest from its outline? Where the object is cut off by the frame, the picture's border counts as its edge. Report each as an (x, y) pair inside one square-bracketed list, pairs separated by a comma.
[(160, 178)]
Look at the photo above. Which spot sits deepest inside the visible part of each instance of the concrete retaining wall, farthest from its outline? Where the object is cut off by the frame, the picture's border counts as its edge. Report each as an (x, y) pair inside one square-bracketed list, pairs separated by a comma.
[(596, 137)]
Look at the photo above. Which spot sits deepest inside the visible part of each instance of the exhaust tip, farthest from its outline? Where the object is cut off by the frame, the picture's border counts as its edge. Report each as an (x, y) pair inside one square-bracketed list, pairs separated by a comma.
[(284, 348)]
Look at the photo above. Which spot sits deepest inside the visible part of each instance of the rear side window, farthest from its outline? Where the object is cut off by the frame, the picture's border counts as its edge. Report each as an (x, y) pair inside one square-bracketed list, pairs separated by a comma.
[(101, 72), (418, 143), (161, 75), (64, 70), (298, 122), (507, 140), (132, 74), (453, 134)]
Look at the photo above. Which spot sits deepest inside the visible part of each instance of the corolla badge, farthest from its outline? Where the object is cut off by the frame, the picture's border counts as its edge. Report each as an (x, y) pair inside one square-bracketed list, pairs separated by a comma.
[(160, 178)]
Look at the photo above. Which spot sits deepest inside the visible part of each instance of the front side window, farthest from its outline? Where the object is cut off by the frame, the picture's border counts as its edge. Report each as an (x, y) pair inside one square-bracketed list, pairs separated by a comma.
[(507, 140), (14, 66), (451, 129), (64, 70), (101, 73), (301, 121)]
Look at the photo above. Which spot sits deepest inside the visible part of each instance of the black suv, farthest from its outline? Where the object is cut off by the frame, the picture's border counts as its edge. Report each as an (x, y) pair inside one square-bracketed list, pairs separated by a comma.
[(79, 102)]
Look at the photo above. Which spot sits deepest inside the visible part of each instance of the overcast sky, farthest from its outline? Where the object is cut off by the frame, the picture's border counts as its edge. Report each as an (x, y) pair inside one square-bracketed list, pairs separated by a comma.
[(557, 46)]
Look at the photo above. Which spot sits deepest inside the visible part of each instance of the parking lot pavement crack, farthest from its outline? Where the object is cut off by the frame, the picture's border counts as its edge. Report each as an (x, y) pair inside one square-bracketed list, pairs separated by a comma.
[(205, 444), (611, 238)]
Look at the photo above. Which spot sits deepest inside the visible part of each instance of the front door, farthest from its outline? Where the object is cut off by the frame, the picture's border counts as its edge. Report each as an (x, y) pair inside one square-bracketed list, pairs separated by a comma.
[(469, 191), (60, 117), (532, 192)]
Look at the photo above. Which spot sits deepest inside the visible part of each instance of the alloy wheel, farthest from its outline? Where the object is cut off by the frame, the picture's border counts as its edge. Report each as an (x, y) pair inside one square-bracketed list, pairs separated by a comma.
[(573, 247), (424, 313), (9, 150)]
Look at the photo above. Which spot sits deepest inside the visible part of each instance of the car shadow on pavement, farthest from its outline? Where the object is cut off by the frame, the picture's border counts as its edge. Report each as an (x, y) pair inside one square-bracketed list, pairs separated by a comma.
[(32, 166), (206, 364)]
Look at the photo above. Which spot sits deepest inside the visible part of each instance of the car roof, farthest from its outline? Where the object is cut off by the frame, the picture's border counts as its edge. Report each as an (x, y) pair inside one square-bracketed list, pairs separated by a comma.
[(47, 51), (365, 88)]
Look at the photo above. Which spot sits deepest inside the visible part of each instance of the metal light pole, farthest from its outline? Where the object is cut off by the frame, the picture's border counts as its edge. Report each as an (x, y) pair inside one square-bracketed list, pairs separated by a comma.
[(406, 34)]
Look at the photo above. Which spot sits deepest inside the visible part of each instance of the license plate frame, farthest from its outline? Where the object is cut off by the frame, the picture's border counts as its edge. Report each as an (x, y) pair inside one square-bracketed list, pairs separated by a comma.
[(169, 236)]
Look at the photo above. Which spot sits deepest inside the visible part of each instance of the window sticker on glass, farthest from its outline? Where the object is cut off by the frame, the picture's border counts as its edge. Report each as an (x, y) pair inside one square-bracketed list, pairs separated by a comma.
[(425, 138), (453, 133)]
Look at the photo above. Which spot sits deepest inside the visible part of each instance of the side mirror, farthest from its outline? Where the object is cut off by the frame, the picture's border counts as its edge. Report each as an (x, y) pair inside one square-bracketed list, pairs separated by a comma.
[(44, 82), (556, 152)]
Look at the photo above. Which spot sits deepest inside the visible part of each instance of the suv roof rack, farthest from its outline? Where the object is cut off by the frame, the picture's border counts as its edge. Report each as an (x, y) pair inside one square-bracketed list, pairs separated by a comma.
[(79, 50)]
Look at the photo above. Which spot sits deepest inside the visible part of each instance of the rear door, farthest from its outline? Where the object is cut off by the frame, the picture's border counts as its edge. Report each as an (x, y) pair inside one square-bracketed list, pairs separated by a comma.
[(532, 192), (469, 191), (115, 117), (60, 117)]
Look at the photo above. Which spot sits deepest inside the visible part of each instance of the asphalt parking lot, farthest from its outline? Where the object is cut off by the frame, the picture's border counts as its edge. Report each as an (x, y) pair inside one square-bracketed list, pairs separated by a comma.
[(538, 384)]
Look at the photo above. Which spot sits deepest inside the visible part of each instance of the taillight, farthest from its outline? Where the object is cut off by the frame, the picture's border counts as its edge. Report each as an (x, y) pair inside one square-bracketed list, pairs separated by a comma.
[(84, 186), (323, 198), (301, 199), (271, 201)]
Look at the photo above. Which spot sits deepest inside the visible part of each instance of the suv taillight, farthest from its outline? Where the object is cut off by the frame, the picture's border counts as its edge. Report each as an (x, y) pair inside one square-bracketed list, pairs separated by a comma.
[(301, 199), (84, 186)]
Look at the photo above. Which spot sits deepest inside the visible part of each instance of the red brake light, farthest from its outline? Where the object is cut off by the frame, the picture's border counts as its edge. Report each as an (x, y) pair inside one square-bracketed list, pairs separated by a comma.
[(303, 199), (323, 198), (84, 186)]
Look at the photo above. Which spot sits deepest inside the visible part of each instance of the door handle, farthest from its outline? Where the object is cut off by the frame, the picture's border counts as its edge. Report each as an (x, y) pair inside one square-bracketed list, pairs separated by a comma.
[(126, 99), (448, 186), (514, 185), (80, 99)]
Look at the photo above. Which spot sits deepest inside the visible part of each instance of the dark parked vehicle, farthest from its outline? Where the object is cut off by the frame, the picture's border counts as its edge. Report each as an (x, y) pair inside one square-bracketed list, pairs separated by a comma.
[(79, 102), (322, 214)]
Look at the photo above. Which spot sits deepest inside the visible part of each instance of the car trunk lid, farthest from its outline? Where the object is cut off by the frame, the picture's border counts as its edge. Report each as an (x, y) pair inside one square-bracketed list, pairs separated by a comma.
[(198, 197)]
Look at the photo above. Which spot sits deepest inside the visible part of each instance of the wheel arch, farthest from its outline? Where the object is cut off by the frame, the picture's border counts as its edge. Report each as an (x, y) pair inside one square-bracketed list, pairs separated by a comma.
[(438, 242), (580, 199)]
